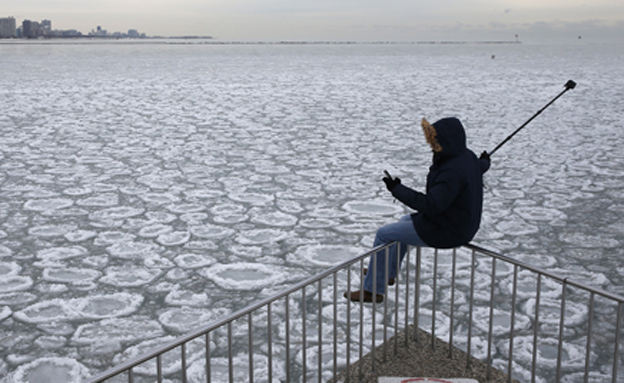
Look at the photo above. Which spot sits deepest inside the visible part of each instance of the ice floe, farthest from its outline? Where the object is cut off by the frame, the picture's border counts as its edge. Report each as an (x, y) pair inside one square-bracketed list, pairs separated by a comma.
[(70, 275), (131, 250), (129, 276), (184, 319), (261, 236), (174, 238), (244, 276), (193, 261), (13, 283), (116, 213), (48, 204), (373, 208), (51, 370), (324, 255), (123, 330), (92, 307)]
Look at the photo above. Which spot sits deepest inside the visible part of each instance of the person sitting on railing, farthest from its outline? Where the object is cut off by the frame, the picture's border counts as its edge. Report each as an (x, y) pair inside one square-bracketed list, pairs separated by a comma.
[(448, 215)]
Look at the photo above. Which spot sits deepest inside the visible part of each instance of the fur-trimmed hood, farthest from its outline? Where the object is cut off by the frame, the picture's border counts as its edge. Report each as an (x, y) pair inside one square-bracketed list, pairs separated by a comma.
[(446, 137)]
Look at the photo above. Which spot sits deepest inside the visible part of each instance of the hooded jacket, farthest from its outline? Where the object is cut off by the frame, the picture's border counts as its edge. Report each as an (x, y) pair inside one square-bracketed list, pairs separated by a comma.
[(449, 213)]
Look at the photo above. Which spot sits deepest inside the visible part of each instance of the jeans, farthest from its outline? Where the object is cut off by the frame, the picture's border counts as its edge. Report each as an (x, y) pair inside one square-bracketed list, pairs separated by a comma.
[(403, 232)]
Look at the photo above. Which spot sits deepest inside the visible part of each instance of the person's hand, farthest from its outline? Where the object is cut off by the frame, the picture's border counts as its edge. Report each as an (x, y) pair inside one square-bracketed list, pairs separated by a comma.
[(484, 156), (390, 182)]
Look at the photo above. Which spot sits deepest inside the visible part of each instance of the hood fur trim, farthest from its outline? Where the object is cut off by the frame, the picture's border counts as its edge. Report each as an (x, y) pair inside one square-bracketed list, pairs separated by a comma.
[(430, 136)]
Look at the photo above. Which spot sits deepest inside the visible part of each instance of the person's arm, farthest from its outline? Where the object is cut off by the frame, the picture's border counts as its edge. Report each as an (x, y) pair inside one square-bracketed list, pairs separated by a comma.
[(442, 193)]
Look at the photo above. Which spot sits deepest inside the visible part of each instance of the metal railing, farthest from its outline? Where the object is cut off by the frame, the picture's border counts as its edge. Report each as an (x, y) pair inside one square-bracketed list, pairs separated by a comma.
[(535, 325)]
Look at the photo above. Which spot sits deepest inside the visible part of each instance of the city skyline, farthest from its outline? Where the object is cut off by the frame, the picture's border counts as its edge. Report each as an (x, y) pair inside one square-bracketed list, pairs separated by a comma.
[(397, 20), (11, 28)]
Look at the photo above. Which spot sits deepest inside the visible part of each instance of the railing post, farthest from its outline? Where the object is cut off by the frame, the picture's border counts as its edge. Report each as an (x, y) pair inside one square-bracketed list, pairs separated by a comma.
[(335, 330), (471, 306), (348, 335), (230, 364), (396, 298), (561, 324), (417, 294), (618, 329), (250, 345), (270, 342), (536, 325), (490, 325), (512, 322), (287, 334), (183, 354), (590, 320), (303, 334), (435, 295), (407, 270), (386, 296), (320, 331), (208, 369), (375, 271), (452, 303)]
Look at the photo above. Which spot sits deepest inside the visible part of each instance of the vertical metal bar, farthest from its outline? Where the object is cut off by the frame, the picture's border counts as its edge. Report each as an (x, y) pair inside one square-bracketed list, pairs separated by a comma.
[(491, 323), (451, 311), (561, 323), (335, 329), (130, 375), (536, 324), (417, 294), (407, 271), (433, 309), (230, 364), (374, 309), (270, 341), (250, 345), (159, 368), (616, 352), (320, 330), (304, 335), (348, 324), (208, 371), (471, 307), (183, 353), (396, 299), (361, 340), (512, 323), (385, 322), (590, 317), (287, 334)]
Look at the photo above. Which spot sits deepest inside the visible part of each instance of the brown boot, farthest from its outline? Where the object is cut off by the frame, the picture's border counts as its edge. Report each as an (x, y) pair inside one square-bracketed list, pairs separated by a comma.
[(390, 280), (368, 296)]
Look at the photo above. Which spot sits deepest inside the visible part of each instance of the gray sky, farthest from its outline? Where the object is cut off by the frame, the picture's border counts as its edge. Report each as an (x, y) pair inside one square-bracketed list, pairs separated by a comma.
[(360, 20)]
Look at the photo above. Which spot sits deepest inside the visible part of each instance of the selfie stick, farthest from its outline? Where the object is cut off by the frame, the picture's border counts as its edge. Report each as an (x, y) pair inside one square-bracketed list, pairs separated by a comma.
[(569, 85)]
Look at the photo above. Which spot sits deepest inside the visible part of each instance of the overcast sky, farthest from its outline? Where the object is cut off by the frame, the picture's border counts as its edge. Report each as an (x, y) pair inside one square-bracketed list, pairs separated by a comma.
[(360, 20)]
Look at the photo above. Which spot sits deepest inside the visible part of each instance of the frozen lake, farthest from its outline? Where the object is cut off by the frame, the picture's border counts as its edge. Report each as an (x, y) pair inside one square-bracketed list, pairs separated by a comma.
[(148, 188)]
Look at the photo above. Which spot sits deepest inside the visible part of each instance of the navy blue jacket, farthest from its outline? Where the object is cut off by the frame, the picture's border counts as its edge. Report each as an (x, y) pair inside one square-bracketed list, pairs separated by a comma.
[(449, 214)]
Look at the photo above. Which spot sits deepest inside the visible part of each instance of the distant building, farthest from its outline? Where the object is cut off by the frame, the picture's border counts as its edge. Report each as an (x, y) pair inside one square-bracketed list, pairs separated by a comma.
[(31, 29), (7, 27), (46, 28)]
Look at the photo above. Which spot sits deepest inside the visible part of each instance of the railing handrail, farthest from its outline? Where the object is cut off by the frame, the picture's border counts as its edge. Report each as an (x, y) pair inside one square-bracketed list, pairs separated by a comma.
[(238, 314), (128, 365), (603, 293)]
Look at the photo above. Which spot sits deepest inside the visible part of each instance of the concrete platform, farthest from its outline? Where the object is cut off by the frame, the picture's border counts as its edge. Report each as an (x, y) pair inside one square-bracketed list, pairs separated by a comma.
[(419, 359)]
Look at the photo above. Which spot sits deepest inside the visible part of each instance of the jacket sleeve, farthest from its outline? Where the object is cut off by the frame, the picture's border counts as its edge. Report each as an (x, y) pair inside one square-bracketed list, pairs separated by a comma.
[(441, 194), (484, 165)]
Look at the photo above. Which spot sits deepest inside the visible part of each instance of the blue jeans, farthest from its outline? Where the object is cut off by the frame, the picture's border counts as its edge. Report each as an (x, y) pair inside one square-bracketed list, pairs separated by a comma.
[(403, 232)]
